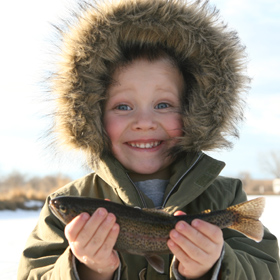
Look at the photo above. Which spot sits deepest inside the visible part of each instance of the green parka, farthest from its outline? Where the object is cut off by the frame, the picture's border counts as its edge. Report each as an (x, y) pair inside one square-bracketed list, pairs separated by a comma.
[(212, 60), (194, 186)]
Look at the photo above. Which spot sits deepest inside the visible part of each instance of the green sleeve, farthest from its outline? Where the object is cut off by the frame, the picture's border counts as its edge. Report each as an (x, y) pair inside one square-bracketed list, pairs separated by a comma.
[(46, 254), (247, 259)]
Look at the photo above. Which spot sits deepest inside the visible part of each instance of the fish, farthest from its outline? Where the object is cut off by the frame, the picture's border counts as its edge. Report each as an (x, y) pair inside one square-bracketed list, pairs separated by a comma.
[(145, 232)]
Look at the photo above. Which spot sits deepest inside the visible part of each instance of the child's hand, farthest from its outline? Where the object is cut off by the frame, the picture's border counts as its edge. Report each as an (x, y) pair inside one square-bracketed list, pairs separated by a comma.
[(92, 240), (197, 247)]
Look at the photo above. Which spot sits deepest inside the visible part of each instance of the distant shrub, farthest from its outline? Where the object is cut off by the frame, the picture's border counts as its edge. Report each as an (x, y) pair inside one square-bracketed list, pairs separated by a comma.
[(16, 189)]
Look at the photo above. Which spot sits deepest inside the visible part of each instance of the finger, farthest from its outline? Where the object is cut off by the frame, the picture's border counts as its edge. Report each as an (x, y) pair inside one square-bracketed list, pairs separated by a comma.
[(101, 233), (193, 262), (179, 213), (75, 226), (177, 251), (185, 250), (91, 227), (99, 253), (106, 250), (199, 245), (212, 232), (199, 239), (188, 266)]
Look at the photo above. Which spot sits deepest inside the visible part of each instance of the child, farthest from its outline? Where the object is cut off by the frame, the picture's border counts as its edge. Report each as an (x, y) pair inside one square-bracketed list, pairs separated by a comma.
[(143, 87)]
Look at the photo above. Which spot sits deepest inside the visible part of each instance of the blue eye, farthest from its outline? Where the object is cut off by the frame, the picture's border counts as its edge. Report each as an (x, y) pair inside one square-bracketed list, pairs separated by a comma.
[(123, 107), (162, 106)]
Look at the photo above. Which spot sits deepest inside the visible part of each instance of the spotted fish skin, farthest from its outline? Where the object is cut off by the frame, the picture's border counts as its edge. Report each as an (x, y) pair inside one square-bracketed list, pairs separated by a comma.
[(146, 231)]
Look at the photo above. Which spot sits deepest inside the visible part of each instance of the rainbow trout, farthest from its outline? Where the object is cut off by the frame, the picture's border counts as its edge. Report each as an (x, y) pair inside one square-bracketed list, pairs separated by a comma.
[(146, 231)]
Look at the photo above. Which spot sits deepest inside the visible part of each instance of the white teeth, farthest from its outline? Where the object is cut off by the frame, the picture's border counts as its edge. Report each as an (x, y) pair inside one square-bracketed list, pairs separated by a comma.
[(145, 145)]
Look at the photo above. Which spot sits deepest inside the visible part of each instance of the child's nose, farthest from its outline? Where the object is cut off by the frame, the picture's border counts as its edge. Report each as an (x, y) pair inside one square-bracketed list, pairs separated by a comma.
[(144, 120)]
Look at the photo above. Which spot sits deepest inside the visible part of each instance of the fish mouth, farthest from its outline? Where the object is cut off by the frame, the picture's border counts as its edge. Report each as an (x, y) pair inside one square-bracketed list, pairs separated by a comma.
[(144, 145), (54, 206)]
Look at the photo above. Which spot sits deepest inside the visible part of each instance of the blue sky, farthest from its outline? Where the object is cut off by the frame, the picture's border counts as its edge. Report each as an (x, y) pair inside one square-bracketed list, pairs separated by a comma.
[(26, 33)]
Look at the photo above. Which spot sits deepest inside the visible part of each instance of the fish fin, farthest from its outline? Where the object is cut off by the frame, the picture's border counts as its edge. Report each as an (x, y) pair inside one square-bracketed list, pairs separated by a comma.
[(250, 228), (250, 209), (156, 262), (248, 218)]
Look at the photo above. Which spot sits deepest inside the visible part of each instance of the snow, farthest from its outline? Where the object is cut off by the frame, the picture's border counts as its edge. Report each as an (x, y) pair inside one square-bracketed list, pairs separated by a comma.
[(17, 225), (33, 203), (270, 217)]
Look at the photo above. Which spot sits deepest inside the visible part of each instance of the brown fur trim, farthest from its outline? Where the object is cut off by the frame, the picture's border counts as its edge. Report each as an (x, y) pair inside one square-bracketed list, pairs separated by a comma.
[(192, 30)]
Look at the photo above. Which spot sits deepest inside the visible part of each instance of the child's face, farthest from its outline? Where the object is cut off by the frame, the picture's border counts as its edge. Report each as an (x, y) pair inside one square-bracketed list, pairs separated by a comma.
[(142, 115)]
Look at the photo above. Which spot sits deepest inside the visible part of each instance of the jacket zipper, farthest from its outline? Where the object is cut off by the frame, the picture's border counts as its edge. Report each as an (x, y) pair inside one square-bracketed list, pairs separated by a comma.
[(171, 191), (144, 204), (175, 185)]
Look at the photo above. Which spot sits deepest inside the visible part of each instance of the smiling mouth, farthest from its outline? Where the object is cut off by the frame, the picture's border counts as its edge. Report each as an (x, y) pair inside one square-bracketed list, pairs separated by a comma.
[(148, 145)]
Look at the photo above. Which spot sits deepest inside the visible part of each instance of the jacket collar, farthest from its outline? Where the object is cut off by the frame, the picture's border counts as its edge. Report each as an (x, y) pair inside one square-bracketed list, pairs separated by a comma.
[(191, 176), (192, 179), (115, 175)]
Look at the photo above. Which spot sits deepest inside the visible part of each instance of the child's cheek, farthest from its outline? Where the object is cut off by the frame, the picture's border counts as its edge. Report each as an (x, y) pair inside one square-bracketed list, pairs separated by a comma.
[(110, 125), (175, 127)]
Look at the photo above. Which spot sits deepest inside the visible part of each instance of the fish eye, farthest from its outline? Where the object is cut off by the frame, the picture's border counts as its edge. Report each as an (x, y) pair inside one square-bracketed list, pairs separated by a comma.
[(62, 208)]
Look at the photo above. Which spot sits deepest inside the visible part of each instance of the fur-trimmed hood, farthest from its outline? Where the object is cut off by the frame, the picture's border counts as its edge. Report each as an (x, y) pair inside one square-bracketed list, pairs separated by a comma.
[(191, 30)]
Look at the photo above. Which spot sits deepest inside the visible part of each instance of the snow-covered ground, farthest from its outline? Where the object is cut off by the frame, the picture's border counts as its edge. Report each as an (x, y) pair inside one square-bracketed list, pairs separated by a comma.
[(15, 227)]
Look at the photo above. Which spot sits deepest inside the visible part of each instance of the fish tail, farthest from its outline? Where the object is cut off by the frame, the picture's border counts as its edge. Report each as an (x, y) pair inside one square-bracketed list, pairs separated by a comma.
[(248, 214)]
